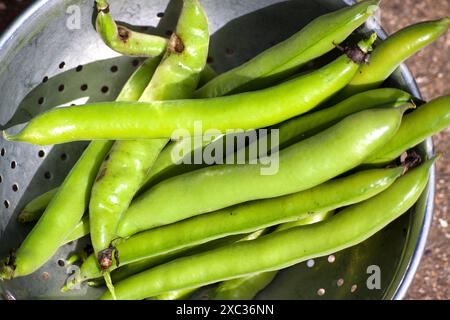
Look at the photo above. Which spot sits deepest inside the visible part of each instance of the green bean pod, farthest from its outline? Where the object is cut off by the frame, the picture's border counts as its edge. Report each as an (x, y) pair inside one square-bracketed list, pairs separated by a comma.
[(389, 54), (128, 162), (124, 40), (281, 60), (348, 228), (416, 126), (305, 126), (162, 119), (68, 205), (62, 215), (34, 209), (298, 167), (246, 288), (245, 218), (251, 216), (290, 131), (91, 272)]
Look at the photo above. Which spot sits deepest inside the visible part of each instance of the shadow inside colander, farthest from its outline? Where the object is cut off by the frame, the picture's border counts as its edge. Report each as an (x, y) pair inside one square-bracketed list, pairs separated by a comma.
[(94, 82)]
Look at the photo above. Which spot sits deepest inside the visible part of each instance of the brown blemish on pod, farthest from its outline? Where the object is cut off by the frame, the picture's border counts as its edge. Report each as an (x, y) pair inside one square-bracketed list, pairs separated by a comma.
[(124, 34), (176, 45)]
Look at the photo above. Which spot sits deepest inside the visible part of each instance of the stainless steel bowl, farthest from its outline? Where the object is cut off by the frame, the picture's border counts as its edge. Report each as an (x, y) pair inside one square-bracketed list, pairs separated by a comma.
[(52, 38)]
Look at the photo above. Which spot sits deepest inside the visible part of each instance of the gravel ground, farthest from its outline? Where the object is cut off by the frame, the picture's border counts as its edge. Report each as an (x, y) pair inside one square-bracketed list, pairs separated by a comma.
[(431, 68)]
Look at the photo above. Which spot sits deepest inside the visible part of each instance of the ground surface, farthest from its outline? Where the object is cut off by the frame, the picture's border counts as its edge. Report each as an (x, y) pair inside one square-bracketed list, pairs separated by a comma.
[(431, 68)]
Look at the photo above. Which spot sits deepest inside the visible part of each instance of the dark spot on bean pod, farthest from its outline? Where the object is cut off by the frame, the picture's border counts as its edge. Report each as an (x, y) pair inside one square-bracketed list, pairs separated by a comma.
[(176, 45), (101, 174), (124, 34)]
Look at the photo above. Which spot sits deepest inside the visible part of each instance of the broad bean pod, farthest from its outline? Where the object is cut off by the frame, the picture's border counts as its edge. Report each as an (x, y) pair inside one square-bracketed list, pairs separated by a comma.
[(281, 60), (247, 217), (416, 126), (161, 119), (348, 228), (90, 270), (389, 54), (123, 40), (300, 167), (128, 162)]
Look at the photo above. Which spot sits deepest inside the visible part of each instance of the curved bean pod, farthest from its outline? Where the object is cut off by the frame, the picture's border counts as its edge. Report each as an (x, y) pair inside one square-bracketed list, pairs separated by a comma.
[(389, 54), (128, 162), (305, 126), (281, 60), (53, 227), (256, 215), (72, 197), (300, 167), (348, 228), (290, 131), (416, 126), (161, 119), (124, 40)]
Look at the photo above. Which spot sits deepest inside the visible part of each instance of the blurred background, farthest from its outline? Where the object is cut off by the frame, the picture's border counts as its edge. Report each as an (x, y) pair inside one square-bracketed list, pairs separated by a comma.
[(431, 69)]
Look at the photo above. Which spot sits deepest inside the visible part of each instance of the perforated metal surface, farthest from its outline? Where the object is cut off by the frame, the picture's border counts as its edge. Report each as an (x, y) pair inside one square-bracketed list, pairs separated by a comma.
[(45, 64)]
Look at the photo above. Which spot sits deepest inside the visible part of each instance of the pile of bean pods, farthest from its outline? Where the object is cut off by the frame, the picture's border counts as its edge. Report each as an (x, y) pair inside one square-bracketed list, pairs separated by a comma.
[(161, 230)]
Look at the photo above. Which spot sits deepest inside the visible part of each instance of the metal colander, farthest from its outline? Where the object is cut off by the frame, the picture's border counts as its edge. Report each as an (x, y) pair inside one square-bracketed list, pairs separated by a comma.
[(52, 56)]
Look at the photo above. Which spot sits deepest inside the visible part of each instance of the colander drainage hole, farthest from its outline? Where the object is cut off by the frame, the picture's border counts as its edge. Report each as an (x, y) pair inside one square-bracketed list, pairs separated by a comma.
[(79, 68), (114, 68), (310, 263), (135, 62), (321, 292), (61, 88), (45, 79), (41, 100), (2, 152), (160, 14), (229, 51), (1, 179), (62, 64), (61, 263), (15, 187), (13, 164), (105, 89), (6, 204), (47, 175), (84, 87), (63, 157), (41, 153)]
